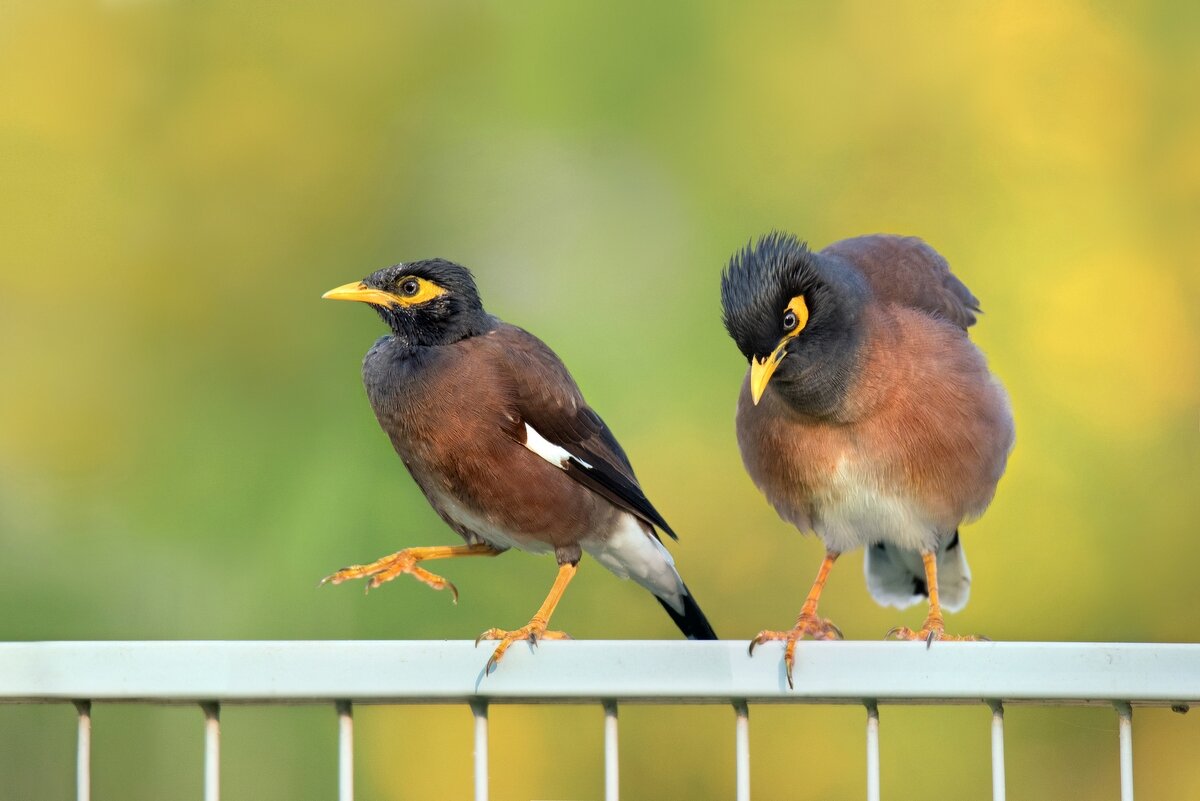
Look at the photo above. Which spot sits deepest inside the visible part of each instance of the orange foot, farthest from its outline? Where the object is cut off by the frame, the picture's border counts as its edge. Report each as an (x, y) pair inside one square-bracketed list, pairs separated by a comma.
[(533, 631), (934, 629), (387, 568), (806, 625)]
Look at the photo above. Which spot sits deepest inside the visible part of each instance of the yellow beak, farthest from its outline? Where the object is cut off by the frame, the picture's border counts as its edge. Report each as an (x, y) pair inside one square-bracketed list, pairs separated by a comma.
[(761, 371), (359, 291)]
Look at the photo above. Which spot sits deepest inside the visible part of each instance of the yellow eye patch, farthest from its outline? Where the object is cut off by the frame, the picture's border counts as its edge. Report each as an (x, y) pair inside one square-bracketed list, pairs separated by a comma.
[(411, 290), (796, 316)]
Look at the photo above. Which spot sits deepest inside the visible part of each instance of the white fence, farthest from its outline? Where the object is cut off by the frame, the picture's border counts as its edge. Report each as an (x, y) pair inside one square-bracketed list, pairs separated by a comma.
[(605, 673)]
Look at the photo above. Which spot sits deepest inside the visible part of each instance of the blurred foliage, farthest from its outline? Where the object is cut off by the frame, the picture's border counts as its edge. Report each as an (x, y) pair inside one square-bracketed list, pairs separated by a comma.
[(185, 447)]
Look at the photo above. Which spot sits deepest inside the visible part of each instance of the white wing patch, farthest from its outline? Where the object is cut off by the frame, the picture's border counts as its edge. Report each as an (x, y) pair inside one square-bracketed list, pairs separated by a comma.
[(554, 454)]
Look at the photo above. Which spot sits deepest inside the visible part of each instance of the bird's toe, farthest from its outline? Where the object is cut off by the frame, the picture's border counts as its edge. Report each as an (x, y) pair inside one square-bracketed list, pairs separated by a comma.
[(806, 626), (531, 633), (929, 633)]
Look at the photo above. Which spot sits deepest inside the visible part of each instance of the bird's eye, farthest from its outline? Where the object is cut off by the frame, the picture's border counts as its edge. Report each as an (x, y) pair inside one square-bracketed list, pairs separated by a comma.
[(409, 287), (789, 320)]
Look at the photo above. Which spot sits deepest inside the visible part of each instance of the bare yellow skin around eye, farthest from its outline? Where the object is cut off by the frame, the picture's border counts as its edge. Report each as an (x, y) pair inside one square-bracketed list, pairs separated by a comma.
[(798, 307), (426, 290), (761, 370)]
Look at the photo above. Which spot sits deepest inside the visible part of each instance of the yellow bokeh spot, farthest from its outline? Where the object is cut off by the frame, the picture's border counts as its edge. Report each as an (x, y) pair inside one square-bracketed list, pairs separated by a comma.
[(1111, 341)]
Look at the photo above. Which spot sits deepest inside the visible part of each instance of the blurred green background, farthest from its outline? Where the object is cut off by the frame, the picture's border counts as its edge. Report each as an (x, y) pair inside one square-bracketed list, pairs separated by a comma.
[(185, 447)]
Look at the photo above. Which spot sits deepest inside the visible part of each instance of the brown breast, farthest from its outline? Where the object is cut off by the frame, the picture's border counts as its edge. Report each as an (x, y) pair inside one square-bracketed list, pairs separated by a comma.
[(924, 420)]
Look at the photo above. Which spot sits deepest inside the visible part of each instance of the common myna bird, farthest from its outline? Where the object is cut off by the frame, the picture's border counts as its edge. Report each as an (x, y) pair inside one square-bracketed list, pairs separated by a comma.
[(499, 438), (866, 415)]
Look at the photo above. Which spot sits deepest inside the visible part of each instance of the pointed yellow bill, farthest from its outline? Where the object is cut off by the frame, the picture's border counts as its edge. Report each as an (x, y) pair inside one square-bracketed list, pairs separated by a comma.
[(357, 290), (795, 318), (761, 371)]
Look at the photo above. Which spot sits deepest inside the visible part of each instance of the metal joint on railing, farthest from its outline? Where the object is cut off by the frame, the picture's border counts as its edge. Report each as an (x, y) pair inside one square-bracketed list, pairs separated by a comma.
[(83, 752), (479, 709), (345, 715), (741, 711), (1125, 734), (872, 749), (212, 750)]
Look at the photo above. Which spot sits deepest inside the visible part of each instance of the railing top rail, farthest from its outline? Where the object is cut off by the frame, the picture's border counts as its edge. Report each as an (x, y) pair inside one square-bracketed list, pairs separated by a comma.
[(587, 671)]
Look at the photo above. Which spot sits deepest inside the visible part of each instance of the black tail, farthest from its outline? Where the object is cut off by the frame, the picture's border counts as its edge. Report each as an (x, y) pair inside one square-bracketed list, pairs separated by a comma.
[(692, 622)]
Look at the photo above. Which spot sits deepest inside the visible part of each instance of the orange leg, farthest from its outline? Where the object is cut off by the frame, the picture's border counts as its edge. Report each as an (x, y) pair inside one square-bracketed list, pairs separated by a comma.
[(387, 568), (535, 629), (935, 625), (807, 623)]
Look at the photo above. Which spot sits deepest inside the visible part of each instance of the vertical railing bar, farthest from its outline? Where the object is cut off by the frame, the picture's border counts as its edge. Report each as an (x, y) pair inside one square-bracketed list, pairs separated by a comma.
[(83, 752), (480, 711), (872, 751), (742, 749), (345, 715), (1125, 728), (612, 766), (998, 789), (212, 751)]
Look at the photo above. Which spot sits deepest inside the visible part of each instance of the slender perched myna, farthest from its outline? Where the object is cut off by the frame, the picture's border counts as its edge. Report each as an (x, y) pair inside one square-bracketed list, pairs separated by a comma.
[(867, 416), (499, 438)]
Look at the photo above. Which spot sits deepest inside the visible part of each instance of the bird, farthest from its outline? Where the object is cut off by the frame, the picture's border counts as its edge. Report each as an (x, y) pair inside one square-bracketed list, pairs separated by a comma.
[(866, 415), (497, 435)]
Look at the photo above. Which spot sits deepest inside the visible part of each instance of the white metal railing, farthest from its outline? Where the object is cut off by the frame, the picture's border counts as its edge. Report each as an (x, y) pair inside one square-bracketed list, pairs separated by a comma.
[(607, 673)]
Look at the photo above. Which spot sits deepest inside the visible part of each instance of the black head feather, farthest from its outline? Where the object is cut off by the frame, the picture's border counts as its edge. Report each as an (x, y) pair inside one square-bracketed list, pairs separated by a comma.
[(758, 283), (756, 287), (449, 317)]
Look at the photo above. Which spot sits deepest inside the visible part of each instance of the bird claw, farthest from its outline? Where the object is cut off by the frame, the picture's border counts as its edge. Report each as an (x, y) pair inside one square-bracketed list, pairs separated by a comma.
[(806, 625), (336, 576), (531, 633), (933, 630)]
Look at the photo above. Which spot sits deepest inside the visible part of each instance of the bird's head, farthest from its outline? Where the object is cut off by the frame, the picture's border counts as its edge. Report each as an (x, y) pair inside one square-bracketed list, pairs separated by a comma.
[(430, 302), (794, 315)]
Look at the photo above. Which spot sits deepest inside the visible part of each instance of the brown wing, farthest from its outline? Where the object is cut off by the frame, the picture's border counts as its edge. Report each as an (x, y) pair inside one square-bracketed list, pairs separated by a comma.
[(548, 399), (906, 271)]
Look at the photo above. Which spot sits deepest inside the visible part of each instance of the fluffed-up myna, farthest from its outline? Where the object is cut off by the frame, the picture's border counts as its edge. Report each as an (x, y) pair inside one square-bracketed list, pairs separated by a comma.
[(866, 415), (499, 438)]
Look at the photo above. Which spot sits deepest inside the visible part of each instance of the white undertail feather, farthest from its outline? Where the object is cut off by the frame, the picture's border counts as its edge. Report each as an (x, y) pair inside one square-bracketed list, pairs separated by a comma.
[(893, 574), (631, 551)]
